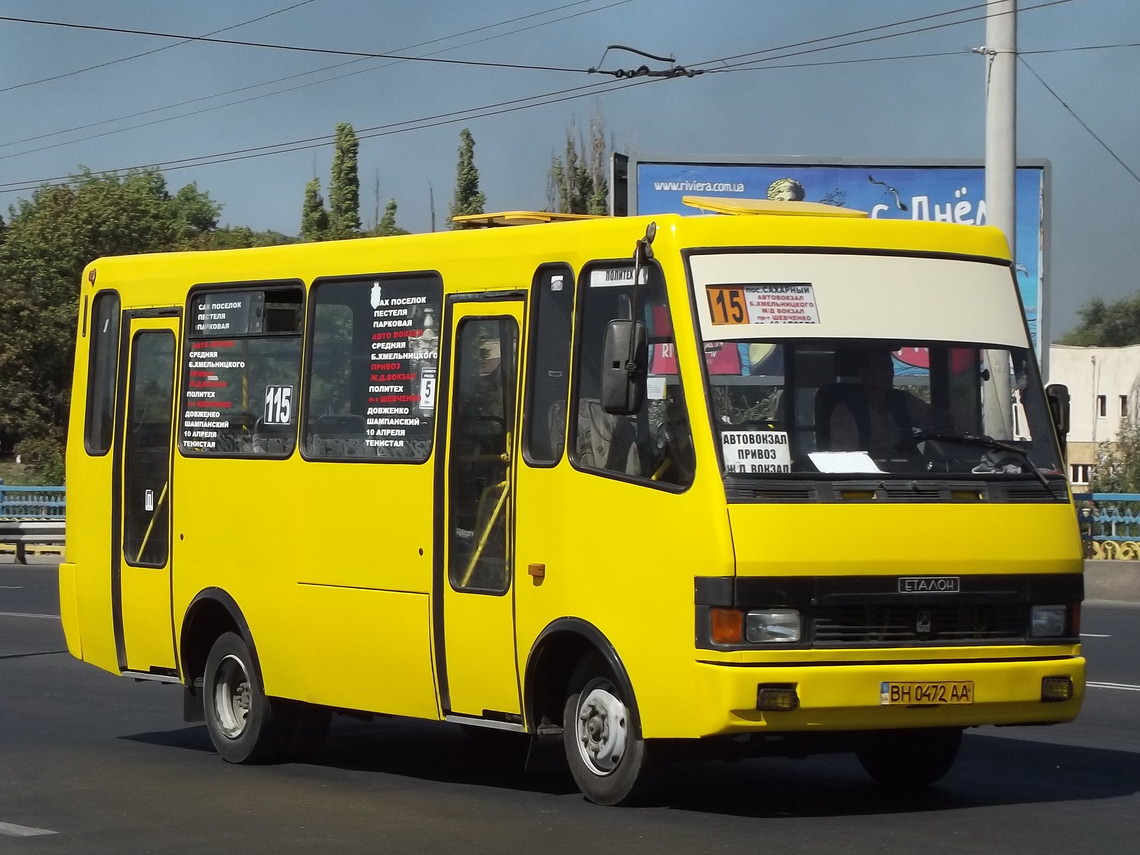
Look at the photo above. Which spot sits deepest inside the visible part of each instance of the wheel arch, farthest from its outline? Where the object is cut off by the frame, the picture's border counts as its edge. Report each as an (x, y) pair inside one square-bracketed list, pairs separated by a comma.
[(553, 658), (212, 612)]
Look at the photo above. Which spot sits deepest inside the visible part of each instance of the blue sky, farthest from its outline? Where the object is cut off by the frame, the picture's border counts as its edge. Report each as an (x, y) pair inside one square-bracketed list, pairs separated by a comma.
[(822, 104)]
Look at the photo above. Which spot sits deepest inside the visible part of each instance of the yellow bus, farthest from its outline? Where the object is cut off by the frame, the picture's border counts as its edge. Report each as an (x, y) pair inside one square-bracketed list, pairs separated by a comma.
[(781, 479)]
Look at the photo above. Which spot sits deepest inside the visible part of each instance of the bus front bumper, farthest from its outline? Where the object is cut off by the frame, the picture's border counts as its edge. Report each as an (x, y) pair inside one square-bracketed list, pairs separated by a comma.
[(876, 696)]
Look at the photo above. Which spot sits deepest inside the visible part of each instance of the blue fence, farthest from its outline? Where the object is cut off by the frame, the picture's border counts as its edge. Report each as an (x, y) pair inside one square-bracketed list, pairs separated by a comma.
[(31, 503), (1110, 524)]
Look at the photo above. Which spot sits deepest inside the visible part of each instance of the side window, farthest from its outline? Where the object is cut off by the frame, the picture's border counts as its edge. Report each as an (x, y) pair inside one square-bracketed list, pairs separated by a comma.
[(102, 370), (654, 444), (374, 359), (548, 377), (242, 371), (146, 514), (478, 481)]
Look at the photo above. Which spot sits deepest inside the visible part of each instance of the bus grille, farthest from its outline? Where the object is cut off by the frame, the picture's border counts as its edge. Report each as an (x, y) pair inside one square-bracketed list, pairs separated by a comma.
[(895, 624)]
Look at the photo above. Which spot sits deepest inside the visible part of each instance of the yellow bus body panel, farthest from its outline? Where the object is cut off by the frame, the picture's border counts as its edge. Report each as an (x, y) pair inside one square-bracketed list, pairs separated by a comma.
[(331, 563)]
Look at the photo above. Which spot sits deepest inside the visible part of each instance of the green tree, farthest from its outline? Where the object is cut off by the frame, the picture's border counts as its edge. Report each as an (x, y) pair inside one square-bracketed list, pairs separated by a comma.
[(49, 240), (1103, 324), (243, 237), (468, 199), (195, 217), (578, 181), (344, 186), (1117, 468), (314, 217), (387, 224)]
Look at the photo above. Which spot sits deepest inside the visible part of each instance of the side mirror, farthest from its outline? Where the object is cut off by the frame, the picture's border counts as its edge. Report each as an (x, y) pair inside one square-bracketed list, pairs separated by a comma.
[(1057, 395), (625, 363)]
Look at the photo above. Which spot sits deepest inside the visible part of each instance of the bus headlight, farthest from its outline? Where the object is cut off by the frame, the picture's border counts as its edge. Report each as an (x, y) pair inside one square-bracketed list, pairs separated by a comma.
[(1047, 621), (769, 625)]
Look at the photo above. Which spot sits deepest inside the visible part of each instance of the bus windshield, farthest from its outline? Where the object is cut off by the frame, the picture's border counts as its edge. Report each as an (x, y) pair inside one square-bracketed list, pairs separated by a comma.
[(856, 406), (812, 407), (836, 365)]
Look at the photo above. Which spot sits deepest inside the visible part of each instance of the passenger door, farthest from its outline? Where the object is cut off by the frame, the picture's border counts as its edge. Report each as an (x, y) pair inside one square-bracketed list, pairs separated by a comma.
[(477, 662), (140, 563)]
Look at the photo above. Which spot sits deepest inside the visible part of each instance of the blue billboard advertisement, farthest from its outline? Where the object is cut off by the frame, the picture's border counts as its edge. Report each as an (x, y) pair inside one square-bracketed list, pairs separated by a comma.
[(948, 193)]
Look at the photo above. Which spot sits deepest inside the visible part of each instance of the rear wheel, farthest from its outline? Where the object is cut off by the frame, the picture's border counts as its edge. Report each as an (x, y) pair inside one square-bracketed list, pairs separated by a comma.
[(244, 724), (606, 755), (909, 758)]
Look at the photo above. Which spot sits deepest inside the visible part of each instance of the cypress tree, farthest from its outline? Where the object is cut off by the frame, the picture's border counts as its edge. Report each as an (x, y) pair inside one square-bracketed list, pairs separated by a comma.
[(468, 199), (344, 187), (314, 217)]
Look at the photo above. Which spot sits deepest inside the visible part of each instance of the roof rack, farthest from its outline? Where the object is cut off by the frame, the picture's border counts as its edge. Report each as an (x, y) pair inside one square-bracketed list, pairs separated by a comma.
[(519, 218), (728, 205)]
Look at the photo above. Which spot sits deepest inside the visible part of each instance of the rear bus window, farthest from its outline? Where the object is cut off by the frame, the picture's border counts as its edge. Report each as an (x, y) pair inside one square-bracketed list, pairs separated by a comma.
[(374, 358), (102, 371), (242, 371)]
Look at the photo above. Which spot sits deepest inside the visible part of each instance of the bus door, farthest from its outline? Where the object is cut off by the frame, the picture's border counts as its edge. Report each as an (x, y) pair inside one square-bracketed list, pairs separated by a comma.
[(141, 501), (477, 662)]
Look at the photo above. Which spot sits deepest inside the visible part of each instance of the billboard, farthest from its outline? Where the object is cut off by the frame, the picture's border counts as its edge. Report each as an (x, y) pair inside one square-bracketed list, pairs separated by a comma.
[(947, 191)]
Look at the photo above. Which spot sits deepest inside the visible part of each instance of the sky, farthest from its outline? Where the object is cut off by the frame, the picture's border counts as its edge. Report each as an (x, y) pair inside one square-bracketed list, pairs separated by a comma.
[(821, 79)]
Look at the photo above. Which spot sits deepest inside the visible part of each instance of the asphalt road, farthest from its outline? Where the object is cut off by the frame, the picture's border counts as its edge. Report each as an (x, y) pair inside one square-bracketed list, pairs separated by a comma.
[(93, 763)]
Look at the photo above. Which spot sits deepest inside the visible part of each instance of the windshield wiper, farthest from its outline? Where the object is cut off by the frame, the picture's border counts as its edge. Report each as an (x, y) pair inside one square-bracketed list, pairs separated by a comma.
[(983, 442)]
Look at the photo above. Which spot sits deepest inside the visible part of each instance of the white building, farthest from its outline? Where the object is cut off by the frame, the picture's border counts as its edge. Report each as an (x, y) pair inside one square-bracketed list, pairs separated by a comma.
[(1104, 389)]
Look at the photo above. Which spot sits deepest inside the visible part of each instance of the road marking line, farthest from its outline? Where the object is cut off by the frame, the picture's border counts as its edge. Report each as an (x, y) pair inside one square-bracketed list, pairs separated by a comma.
[(13, 830), (1122, 686), (10, 587), (1094, 635), (29, 614)]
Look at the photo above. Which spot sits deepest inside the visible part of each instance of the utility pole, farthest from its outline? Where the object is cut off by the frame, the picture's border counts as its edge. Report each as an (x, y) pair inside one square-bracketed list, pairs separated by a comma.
[(1001, 169)]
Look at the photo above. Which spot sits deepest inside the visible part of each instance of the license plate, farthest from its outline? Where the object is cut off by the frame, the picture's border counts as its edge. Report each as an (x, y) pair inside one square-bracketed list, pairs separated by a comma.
[(923, 694)]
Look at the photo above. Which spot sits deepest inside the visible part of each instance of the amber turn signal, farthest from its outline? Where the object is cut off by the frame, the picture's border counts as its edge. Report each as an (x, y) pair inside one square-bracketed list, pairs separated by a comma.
[(726, 626)]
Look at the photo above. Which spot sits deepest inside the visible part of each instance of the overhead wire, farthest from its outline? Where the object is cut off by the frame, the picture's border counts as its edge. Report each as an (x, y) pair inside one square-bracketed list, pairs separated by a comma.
[(356, 61), (498, 108), (153, 50), (1080, 121), (182, 37), (869, 40), (420, 123)]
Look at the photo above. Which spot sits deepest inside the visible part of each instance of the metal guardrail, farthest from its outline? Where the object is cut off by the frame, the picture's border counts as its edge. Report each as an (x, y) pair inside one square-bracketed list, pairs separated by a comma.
[(32, 503), (30, 517), (21, 534), (1110, 524)]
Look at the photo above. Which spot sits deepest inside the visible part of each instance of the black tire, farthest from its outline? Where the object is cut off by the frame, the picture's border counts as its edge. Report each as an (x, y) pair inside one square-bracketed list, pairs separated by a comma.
[(245, 725), (606, 755), (903, 759)]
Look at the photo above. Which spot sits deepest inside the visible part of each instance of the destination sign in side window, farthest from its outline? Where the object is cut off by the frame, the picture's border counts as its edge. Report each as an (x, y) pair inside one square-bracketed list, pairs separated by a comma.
[(375, 356), (242, 373), (227, 313)]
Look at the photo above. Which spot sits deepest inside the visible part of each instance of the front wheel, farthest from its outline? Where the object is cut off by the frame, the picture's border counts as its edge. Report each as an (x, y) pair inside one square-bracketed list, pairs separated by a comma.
[(606, 755), (243, 723), (909, 758)]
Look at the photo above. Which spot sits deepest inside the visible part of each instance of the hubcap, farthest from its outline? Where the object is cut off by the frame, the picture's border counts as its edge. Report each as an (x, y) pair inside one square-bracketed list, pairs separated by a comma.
[(231, 697), (602, 730)]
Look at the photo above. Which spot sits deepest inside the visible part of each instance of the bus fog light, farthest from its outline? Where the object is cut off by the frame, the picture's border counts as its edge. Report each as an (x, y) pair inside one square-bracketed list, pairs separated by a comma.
[(779, 625), (1047, 621), (1056, 689), (777, 697)]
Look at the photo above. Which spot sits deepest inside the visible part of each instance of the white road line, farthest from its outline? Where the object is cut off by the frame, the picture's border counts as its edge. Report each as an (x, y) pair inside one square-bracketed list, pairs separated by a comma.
[(12, 830), (1094, 635), (29, 614), (1122, 686)]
